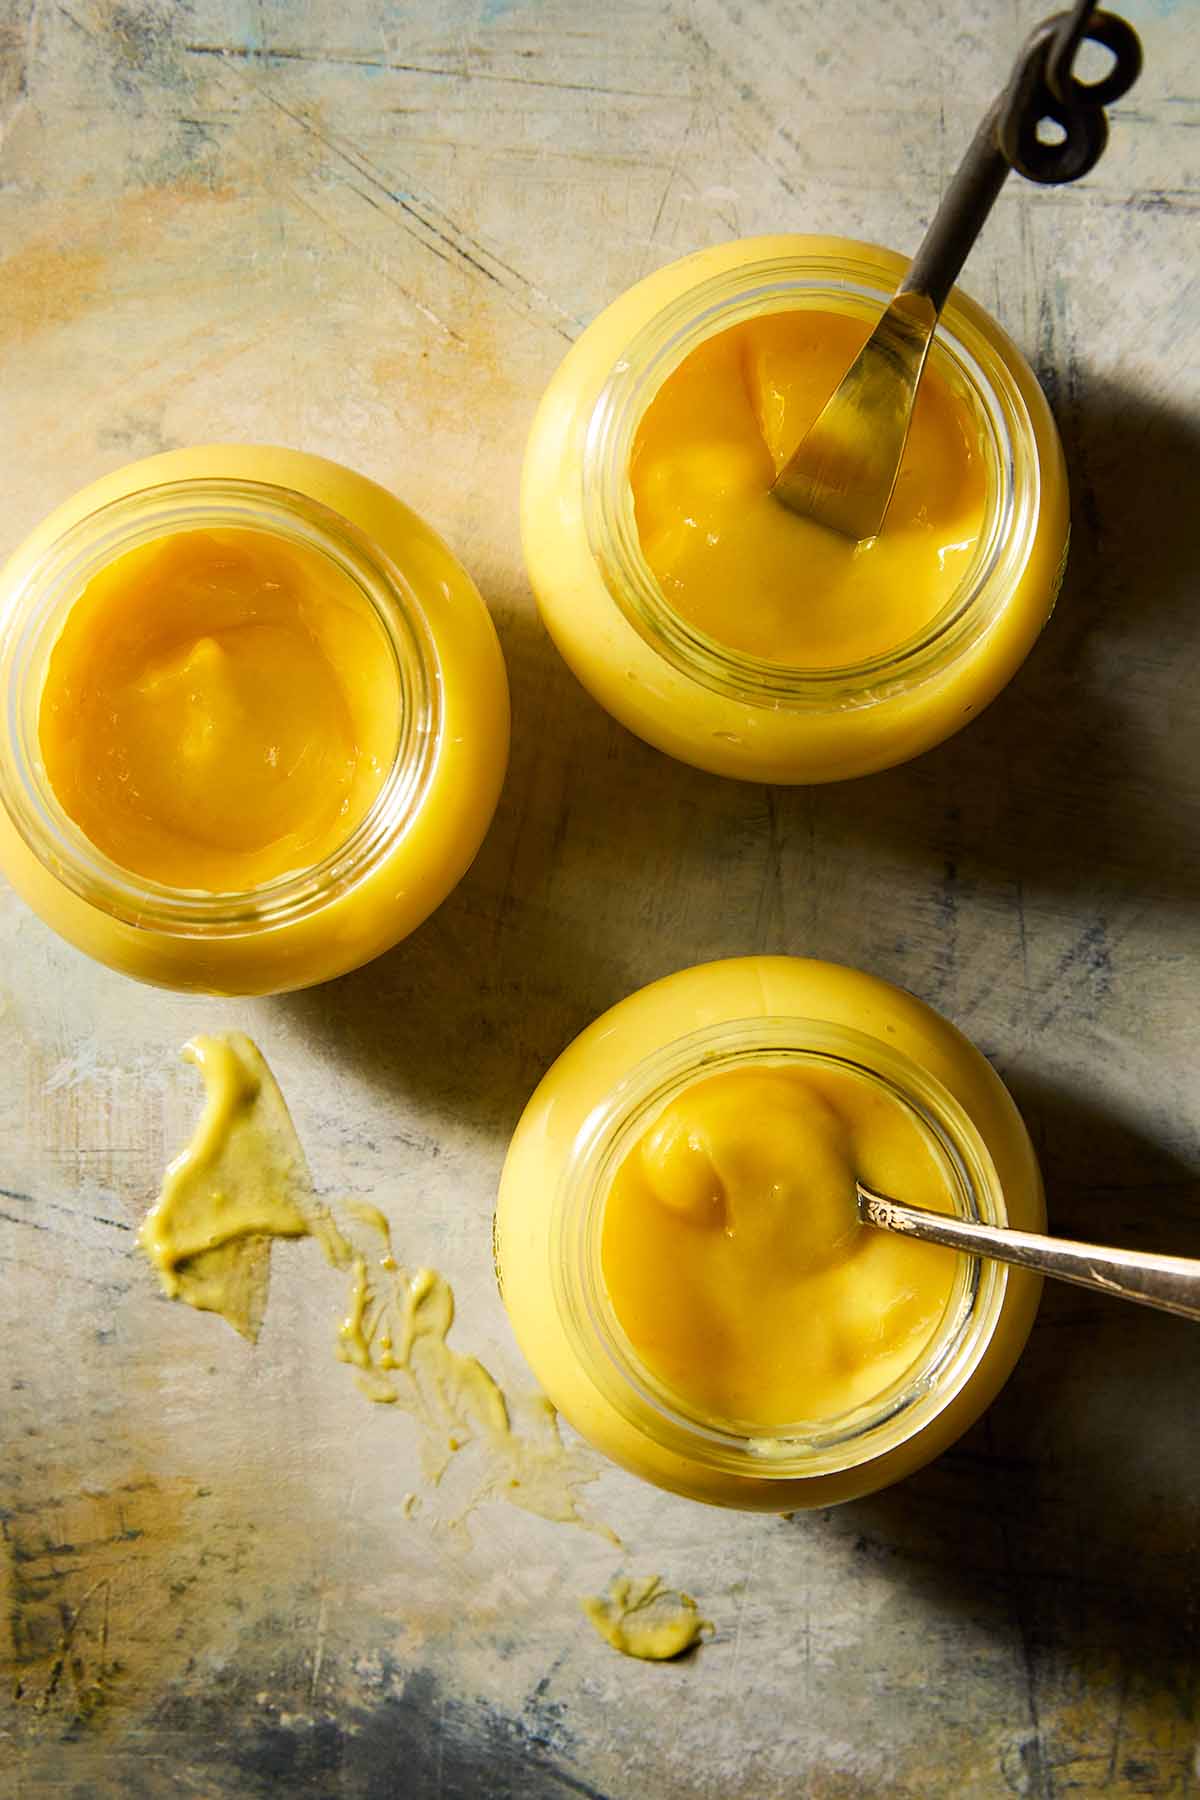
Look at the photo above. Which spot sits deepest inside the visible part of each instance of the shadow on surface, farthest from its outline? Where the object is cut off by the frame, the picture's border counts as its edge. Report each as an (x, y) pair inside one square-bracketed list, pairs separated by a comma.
[(609, 864), (1082, 774), (602, 854), (1068, 1520), (393, 1735), (1106, 1181), (1070, 1515)]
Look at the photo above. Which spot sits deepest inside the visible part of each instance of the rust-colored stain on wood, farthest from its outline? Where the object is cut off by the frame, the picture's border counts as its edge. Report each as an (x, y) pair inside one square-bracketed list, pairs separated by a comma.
[(87, 1598)]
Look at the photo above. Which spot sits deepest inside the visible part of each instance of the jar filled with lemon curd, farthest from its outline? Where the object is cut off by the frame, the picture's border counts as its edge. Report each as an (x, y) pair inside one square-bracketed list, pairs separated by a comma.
[(718, 626), (256, 720), (678, 1249)]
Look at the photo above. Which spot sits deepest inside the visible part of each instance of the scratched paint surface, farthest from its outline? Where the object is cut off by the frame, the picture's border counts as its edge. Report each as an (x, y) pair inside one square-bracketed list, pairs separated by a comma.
[(371, 231)]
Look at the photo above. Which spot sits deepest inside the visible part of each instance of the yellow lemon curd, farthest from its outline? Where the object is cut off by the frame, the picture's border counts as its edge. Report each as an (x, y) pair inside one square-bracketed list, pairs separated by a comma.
[(257, 719), (677, 1246), (220, 709), (716, 625), (734, 1258), (734, 562)]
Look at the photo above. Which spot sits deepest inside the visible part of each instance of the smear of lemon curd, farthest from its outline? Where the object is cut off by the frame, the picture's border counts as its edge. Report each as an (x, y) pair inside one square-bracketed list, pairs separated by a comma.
[(641, 1617), (241, 1183)]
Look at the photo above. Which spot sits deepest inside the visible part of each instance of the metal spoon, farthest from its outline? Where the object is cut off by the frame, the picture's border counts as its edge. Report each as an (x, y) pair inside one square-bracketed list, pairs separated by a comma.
[(1170, 1283), (843, 473)]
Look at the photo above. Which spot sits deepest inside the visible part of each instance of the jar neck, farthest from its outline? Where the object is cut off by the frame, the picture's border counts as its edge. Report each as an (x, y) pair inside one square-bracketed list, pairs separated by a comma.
[(35, 611), (611, 1133), (966, 360)]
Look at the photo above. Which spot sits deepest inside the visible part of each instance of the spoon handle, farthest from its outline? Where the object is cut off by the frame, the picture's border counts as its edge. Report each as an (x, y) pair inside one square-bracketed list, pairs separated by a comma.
[(960, 217), (1170, 1283), (1041, 87)]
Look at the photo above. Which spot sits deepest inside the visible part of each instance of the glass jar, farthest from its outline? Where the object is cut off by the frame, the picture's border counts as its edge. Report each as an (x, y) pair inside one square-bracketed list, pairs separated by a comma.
[(421, 831), (682, 690), (603, 1094)]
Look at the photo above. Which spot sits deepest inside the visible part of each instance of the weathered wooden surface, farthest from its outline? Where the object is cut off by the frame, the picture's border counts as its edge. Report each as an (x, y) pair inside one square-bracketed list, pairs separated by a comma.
[(371, 230)]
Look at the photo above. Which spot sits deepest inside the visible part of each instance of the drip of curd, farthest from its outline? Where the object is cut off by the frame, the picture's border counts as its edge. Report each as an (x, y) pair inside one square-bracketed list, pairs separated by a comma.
[(641, 1617), (220, 709), (733, 1255), (735, 563)]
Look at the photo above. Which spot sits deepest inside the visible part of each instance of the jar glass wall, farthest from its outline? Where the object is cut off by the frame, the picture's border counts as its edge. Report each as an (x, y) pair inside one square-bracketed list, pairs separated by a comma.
[(423, 622), (599, 1099), (680, 688)]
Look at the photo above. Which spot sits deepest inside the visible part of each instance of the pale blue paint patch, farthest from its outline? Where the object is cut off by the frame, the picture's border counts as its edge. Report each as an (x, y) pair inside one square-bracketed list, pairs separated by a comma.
[(499, 9)]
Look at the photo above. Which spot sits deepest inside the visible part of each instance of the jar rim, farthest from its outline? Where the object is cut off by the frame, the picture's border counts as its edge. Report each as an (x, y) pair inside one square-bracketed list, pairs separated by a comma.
[(33, 613), (609, 1133), (856, 280)]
